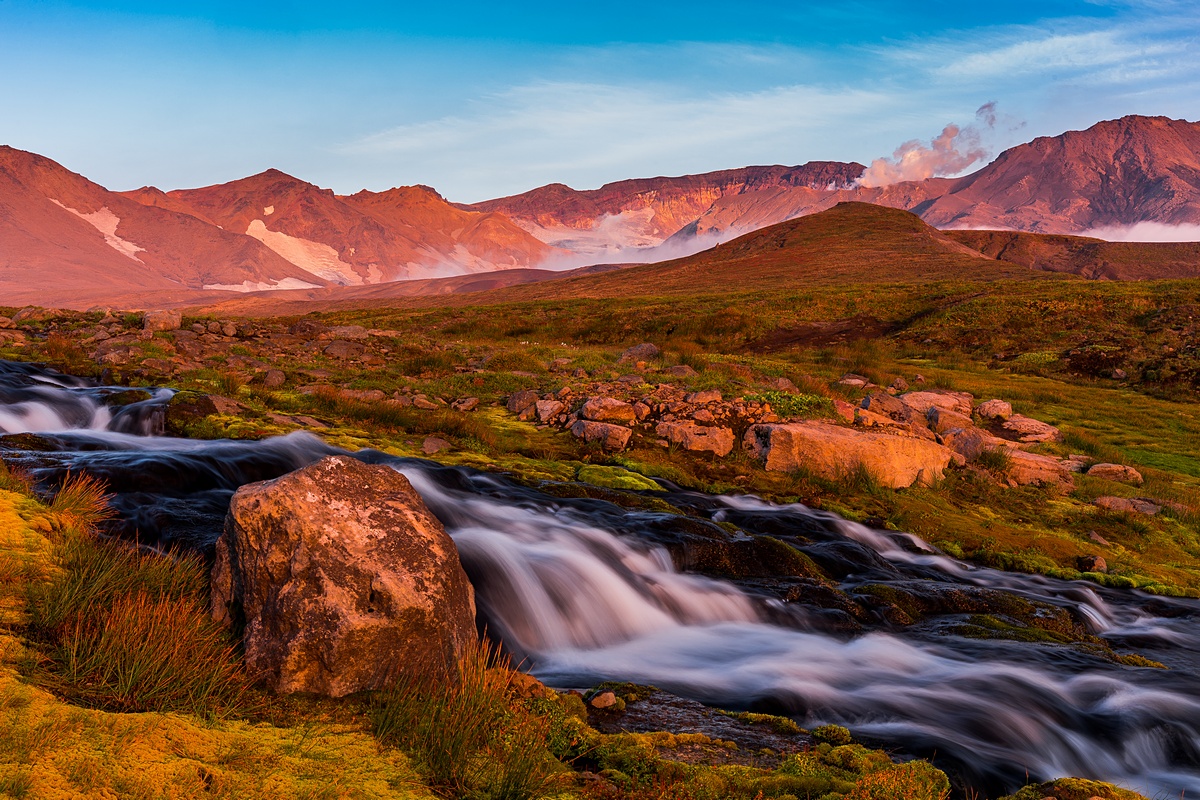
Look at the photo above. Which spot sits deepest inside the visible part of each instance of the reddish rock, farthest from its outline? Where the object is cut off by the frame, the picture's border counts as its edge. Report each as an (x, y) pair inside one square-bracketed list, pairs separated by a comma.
[(1033, 469), (690, 436), (921, 402), (1116, 472), (607, 409), (341, 579), (610, 437), (994, 409), (1030, 431), (834, 452), (1130, 505)]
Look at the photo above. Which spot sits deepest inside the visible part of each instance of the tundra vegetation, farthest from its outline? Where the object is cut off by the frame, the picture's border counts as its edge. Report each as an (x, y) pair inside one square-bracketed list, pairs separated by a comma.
[(93, 631)]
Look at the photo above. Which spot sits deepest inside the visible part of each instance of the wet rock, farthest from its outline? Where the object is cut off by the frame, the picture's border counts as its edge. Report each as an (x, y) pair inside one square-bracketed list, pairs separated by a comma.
[(342, 579), (697, 438), (185, 409), (607, 409), (603, 700), (639, 352), (165, 320), (835, 452), (994, 409), (1129, 505), (1092, 564), (1116, 472), (610, 437), (1029, 430), (344, 349)]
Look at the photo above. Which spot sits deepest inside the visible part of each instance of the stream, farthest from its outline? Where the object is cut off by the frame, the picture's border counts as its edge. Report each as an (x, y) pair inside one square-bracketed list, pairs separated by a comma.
[(585, 590)]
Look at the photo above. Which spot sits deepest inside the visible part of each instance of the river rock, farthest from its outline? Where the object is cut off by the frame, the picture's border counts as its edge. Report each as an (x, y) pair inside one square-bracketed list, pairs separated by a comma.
[(1092, 564), (165, 320), (607, 409), (690, 436), (994, 409), (610, 437), (1116, 472), (1029, 430), (342, 579), (833, 452)]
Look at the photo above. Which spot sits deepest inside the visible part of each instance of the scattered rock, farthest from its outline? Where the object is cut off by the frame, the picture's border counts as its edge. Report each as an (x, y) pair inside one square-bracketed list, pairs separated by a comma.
[(843, 409), (344, 349), (994, 409), (1076, 463), (548, 409), (435, 444), (521, 403), (900, 385), (165, 320), (6, 323), (1092, 564), (852, 380), (639, 352), (347, 332), (969, 442), (702, 397), (1129, 505), (1119, 374), (465, 404), (1026, 469), (1028, 430), (690, 436), (274, 379), (424, 403), (1116, 472), (1098, 539), (342, 579), (888, 406), (363, 395), (681, 371), (308, 328), (835, 452), (783, 385), (608, 409), (610, 437)]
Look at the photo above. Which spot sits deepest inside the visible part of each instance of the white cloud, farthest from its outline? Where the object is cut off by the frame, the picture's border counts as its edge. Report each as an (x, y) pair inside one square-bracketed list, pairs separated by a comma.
[(1147, 232)]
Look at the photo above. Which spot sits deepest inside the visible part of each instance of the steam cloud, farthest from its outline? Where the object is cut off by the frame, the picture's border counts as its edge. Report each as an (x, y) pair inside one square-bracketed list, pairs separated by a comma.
[(1147, 232), (952, 151)]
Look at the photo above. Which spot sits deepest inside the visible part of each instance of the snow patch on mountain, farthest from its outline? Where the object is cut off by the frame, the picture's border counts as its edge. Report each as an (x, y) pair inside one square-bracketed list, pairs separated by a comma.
[(106, 222)]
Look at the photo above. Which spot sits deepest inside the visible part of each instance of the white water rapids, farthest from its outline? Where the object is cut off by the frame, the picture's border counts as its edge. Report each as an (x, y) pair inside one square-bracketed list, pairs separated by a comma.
[(589, 591)]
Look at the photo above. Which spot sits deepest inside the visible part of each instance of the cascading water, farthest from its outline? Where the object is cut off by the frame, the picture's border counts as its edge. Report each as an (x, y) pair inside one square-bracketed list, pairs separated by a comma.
[(588, 591)]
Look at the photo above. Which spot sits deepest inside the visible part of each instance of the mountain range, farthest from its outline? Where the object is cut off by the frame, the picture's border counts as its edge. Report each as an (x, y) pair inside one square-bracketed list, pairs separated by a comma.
[(66, 240)]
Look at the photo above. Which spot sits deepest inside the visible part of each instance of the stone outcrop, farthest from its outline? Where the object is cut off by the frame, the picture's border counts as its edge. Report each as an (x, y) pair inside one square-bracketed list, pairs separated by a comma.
[(607, 409), (1129, 505), (1029, 431), (691, 436), (834, 452), (921, 402), (342, 579), (994, 409)]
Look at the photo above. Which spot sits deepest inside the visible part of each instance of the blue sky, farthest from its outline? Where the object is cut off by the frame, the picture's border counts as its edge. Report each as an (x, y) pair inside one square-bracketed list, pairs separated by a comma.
[(480, 100)]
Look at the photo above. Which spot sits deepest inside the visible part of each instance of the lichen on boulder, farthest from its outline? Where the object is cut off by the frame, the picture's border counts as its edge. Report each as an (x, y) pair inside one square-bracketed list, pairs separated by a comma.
[(342, 580)]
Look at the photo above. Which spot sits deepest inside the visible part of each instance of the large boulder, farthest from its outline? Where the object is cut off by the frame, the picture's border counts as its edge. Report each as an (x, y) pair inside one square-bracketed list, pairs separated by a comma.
[(1027, 469), (691, 436), (832, 451), (1115, 472), (341, 579)]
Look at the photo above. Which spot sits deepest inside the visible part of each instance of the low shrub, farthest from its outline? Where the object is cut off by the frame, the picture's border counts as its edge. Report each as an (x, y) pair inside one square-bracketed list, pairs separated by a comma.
[(467, 733)]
